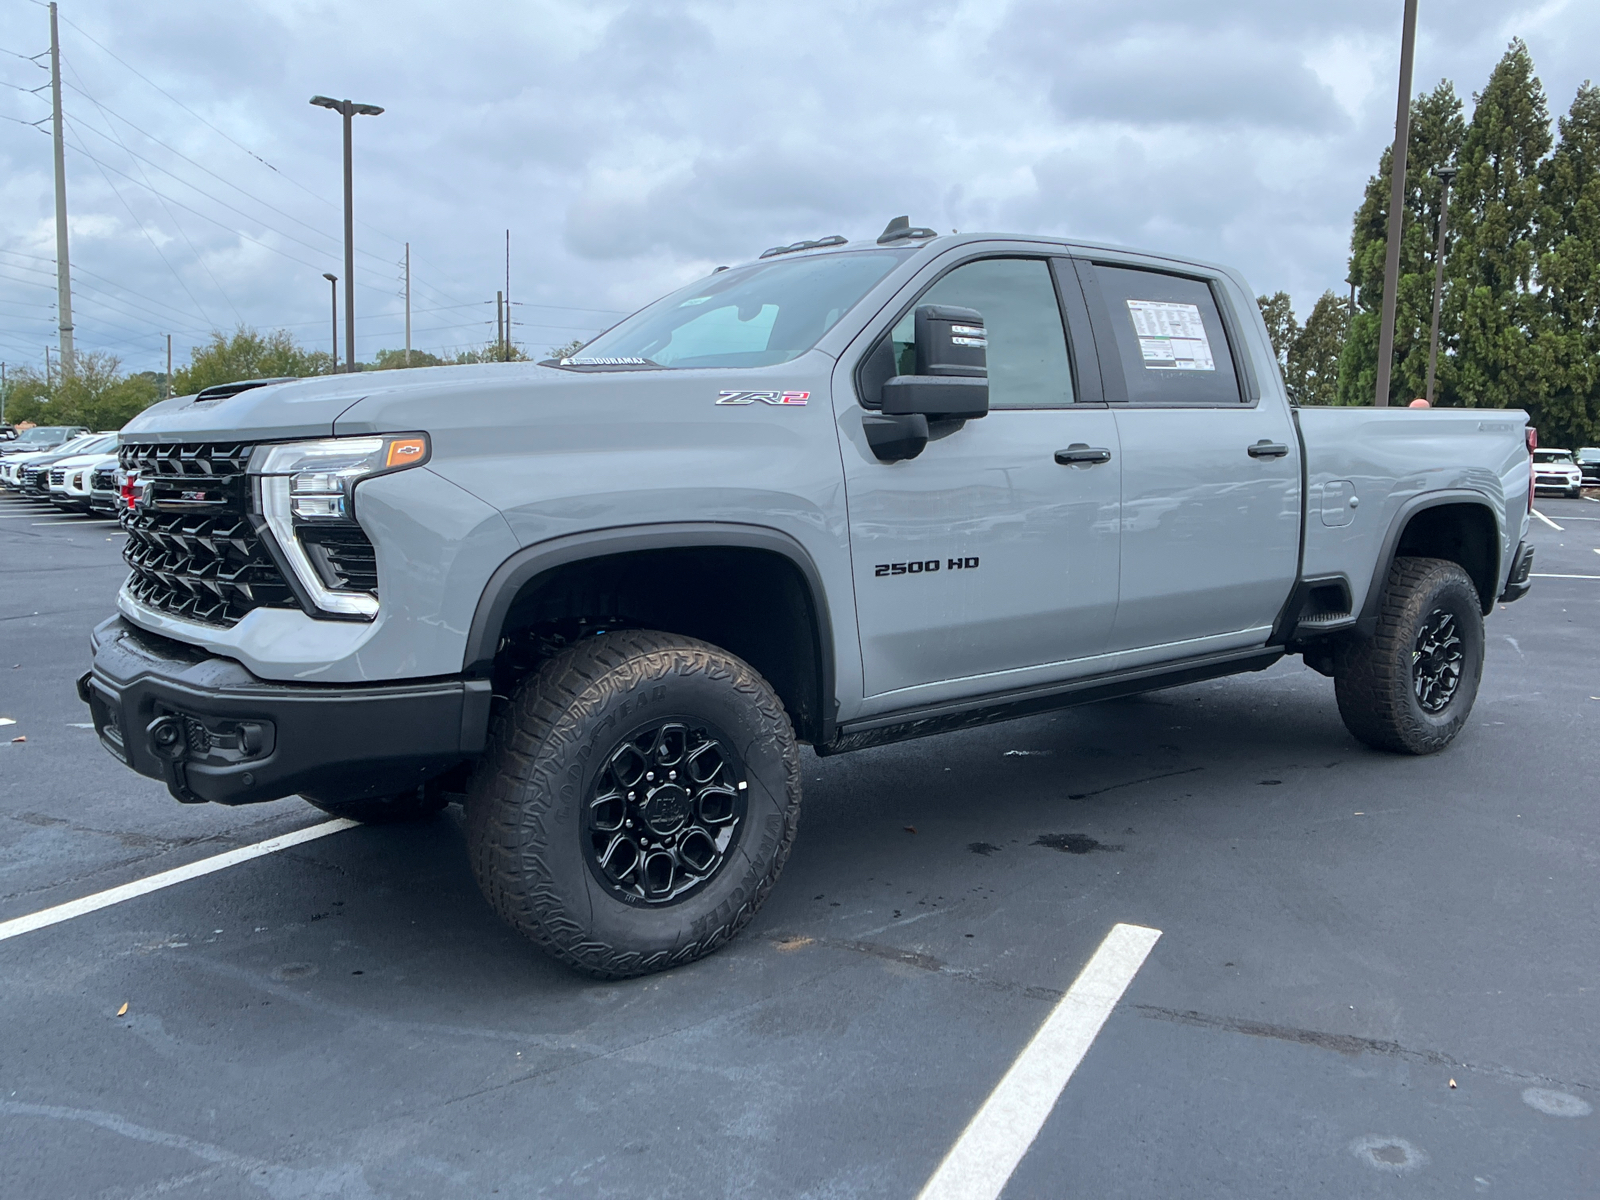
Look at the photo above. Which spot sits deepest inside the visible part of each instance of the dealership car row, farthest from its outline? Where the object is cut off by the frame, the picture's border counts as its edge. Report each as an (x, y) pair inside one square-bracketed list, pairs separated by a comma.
[(71, 467)]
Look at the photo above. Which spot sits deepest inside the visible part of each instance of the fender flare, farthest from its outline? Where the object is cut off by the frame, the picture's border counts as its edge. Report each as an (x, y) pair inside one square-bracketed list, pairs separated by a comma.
[(527, 564), (1367, 624)]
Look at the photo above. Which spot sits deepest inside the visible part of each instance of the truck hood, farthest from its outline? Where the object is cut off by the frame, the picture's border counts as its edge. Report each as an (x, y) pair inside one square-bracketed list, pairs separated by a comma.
[(431, 398), (303, 408)]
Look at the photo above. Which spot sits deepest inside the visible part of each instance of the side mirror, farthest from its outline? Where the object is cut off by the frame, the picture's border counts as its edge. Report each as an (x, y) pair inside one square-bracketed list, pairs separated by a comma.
[(951, 383)]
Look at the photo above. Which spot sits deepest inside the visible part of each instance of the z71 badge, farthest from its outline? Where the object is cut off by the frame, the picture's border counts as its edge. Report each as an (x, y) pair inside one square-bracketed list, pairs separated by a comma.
[(730, 397)]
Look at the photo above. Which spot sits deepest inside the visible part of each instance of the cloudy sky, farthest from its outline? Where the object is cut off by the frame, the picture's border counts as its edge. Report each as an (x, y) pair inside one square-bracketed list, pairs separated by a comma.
[(632, 147)]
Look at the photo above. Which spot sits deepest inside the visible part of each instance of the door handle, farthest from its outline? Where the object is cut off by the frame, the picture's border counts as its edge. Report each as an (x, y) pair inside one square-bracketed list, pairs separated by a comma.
[(1266, 449), (1082, 453)]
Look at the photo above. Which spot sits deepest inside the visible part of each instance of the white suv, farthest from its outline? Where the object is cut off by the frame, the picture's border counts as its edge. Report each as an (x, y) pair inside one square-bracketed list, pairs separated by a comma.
[(1555, 470)]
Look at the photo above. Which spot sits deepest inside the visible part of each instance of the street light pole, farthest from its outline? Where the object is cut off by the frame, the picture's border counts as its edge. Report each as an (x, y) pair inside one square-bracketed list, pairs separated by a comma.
[(1397, 201), (1446, 176), (348, 109), (333, 292)]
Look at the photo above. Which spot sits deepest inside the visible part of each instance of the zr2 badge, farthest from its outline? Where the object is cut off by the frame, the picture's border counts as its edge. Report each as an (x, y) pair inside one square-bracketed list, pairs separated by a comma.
[(778, 398)]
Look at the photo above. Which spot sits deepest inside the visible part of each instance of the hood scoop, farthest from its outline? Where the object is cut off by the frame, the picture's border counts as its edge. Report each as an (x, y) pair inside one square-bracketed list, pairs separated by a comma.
[(222, 391)]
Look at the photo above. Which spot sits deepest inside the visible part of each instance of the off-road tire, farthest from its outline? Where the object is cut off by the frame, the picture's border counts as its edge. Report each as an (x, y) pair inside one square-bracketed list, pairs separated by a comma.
[(1373, 678), (526, 804), (418, 804)]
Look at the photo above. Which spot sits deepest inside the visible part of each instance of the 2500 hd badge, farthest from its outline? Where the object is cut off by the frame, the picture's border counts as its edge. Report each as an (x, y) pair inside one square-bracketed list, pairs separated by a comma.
[(926, 567)]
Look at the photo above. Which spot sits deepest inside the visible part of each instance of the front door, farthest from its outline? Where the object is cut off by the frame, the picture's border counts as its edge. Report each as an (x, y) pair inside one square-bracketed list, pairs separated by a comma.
[(1210, 467), (984, 564)]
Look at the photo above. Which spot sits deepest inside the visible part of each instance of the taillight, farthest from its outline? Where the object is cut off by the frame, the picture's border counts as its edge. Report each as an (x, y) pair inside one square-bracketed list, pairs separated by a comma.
[(1533, 444)]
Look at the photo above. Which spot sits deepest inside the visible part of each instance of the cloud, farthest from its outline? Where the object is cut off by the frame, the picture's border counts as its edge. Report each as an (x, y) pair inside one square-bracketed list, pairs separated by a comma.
[(631, 146)]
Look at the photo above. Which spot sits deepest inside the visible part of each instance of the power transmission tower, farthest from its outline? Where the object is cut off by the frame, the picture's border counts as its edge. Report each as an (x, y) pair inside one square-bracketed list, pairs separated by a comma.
[(408, 304), (63, 272), (500, 323), (507, 347), (167, 390)]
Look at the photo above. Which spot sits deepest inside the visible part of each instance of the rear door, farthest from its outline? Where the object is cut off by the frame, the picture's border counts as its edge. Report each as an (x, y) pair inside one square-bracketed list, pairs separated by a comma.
[(984, 564), (1210, 469)]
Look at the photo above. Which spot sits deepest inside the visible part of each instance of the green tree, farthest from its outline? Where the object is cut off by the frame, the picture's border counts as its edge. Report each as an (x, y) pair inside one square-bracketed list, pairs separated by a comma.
[(392, 360), (1437, 132), (491, 352), (576, 344), (1312, 361), (1503, 349), (1277, 310), (94, 392), (248, 354), (1569, 274)]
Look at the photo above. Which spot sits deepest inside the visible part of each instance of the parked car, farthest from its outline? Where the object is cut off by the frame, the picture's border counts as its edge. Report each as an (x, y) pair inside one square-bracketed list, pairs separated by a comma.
[(40, 437), (1588, 460), (69, 479), (845, 494), (32, 472), (103, 487), (1554, 470)]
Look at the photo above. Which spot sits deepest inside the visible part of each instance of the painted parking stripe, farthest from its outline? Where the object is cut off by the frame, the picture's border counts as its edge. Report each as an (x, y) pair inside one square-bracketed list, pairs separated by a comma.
[(1543, 575), (165, 879), (1547, 520), (993, 1143)]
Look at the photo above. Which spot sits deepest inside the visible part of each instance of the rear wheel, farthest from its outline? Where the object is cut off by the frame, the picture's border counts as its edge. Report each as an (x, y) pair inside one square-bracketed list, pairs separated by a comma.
[(637, 802), (1411, 686)]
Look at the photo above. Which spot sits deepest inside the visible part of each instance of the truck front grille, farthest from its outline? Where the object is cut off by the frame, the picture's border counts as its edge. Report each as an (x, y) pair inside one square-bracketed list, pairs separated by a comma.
[(192, 548), (58, 476), (104, 479)]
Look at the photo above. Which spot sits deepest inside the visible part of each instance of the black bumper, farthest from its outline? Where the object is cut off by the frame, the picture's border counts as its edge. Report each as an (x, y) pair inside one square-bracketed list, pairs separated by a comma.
[(1520, 579), (214, 732)]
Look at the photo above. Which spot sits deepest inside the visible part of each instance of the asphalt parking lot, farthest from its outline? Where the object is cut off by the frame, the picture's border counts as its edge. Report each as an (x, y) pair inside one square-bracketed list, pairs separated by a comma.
[(1376, 976)]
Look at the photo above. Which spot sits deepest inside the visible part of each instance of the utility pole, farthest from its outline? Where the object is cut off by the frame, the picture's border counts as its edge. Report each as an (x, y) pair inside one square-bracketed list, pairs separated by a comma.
[(48, 382), (508, 297), (500, 323), (408, 304), (2, 393), (168, 395), (333, 293), (63, 272), (1446, 176), (348, 109), (1397, 200)]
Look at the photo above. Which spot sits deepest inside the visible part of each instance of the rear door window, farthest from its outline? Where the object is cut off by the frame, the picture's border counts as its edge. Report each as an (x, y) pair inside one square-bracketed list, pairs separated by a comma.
[(1170, 338)]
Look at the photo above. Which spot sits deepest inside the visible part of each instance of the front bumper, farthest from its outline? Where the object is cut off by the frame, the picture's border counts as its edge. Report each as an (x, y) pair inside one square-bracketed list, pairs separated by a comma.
[(214, 732)]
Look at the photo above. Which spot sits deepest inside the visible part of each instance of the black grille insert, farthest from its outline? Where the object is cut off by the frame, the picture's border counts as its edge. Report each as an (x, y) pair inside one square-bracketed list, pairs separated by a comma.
[(192, 547)]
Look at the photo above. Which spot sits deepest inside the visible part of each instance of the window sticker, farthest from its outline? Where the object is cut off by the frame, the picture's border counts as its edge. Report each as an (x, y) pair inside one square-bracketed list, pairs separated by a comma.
[(1172, 337)]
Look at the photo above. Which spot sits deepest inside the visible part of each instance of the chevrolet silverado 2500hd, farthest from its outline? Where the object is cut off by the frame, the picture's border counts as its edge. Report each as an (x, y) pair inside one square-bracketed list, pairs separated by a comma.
[(845, 494)]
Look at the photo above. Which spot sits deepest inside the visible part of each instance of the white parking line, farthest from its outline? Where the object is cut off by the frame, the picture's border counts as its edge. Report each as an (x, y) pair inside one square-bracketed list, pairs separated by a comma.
[(1542, 575), (80, 524), (992, 1145), (1547, 520), (165, 879)]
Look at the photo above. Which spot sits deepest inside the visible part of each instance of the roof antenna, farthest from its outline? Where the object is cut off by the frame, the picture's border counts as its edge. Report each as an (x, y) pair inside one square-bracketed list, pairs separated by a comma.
[(901, 229)]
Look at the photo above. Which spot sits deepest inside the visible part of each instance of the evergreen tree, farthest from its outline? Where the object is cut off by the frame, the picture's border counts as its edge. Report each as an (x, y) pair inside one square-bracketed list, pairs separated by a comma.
[(1277, 310), (1503, 346), (1569, 272), (1312, 362), (1437, 130)]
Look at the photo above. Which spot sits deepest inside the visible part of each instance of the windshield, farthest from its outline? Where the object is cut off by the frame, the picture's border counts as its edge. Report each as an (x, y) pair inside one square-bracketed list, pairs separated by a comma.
[(48, 435), (1589, 454), (754, 316), (1553, 456), (99, 444)]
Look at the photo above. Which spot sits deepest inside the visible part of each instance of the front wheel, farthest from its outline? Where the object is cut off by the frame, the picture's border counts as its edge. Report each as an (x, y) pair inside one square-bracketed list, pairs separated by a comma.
[(638, 799), (1410, 687)]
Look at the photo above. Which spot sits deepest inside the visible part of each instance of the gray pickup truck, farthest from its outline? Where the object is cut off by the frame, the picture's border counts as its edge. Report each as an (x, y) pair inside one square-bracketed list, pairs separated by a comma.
[(846, 494)]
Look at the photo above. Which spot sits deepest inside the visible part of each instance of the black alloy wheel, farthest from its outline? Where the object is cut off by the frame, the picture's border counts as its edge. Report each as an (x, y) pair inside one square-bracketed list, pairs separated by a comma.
[(1410, 686), (665, 812), (1436, 661)]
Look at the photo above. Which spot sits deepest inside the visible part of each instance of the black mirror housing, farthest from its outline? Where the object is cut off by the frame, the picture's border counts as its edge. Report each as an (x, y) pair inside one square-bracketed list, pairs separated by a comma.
[(937, 397), (950, 342)]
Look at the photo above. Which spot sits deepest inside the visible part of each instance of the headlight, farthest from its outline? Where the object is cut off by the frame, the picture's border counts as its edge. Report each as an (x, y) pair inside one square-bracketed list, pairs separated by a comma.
[(309, 486)]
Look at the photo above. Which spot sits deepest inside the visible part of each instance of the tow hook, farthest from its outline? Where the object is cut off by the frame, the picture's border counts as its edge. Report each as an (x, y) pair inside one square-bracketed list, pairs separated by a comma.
[(171, 747)]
